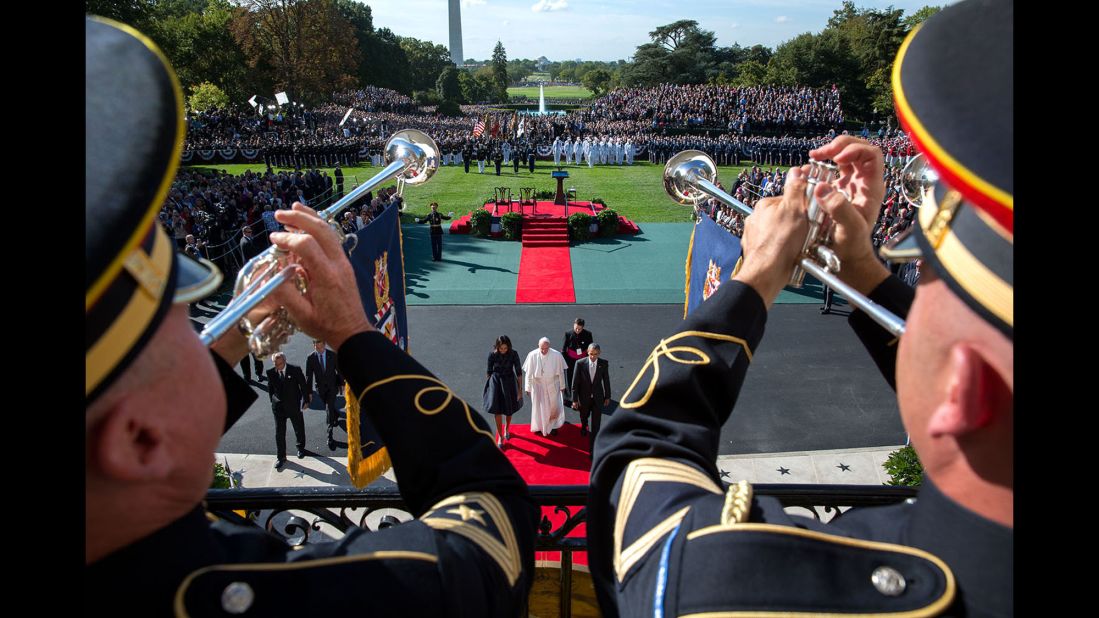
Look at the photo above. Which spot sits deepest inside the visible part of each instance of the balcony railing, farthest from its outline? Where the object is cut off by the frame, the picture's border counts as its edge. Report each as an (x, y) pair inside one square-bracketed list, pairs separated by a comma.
[(339, 508)]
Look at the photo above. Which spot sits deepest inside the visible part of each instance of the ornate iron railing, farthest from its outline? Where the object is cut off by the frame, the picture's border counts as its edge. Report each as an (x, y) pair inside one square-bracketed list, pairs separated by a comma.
[(337, 507)]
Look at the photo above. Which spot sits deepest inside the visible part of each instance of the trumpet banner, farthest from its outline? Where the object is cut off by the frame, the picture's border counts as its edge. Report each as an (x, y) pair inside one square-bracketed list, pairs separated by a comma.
[(713, 257), (378, 261)]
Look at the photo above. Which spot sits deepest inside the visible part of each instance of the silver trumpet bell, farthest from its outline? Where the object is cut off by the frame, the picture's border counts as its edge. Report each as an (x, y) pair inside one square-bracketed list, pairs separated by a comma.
[(916, 178), (412, 157), (691, 175)]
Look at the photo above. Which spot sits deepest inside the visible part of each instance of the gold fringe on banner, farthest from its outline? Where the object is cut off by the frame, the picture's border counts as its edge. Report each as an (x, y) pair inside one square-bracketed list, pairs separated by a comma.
[(687, 285), (404, 284), (363, 470)]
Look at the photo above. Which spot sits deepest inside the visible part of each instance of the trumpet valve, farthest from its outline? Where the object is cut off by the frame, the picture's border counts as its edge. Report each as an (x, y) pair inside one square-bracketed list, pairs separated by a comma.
[(272, 333), (827, 258)]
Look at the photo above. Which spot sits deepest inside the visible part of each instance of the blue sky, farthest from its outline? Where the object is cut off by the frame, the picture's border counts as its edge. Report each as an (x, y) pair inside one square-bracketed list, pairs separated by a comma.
[(607, 29)]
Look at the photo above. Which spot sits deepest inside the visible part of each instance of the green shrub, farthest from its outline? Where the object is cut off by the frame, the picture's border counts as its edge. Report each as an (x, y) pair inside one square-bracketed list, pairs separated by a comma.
[(480, 222), (545, 194), (598, 200), (608, 222), (579, 225), (221, 478), (449, 108), (511, 224), (904, 467)]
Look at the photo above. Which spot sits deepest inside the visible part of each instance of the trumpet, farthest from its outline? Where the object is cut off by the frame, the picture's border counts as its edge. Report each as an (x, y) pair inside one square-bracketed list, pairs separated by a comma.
[(916, 178), (691, 175), (412, 158)]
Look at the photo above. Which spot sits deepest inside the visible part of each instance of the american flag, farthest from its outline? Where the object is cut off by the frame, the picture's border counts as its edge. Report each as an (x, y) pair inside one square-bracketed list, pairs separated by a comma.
[(479, 128)]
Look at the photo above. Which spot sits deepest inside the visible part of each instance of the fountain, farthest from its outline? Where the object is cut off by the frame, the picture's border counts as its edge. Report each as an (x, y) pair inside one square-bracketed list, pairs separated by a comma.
[(541, 100)]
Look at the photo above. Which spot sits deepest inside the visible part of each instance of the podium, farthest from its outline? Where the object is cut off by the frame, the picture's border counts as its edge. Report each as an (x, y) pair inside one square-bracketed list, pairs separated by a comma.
[(560, 175)]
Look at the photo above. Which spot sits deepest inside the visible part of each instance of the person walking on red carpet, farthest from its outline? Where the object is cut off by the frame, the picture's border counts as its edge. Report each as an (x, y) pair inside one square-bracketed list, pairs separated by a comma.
[(544, 371), (503, 388), (591, 391)]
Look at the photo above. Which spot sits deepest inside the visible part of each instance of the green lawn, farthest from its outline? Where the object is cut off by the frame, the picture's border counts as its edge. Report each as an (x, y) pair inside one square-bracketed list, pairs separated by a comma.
[(636, 191), (553, 92)]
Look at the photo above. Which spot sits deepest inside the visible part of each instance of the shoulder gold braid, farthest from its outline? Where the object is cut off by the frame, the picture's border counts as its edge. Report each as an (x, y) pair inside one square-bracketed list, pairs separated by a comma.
[(738, 502), (437, 386), (662, 349)]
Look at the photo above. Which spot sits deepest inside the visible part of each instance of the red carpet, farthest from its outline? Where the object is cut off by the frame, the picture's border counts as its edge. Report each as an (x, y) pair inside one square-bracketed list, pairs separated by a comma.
[(545, 275), (552, 460)]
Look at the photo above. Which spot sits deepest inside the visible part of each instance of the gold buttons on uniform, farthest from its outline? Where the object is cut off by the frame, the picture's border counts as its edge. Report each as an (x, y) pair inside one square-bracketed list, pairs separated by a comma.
[(237, 598), (888, 581)]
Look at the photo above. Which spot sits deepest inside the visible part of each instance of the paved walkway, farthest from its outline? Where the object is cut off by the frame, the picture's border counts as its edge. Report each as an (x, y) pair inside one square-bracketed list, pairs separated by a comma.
[(855, 466)]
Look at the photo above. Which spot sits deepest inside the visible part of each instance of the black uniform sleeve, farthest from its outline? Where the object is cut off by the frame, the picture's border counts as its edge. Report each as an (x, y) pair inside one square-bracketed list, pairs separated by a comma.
[(896, 296), (656, 456), (451, 474), (238, 393), (488, 369)]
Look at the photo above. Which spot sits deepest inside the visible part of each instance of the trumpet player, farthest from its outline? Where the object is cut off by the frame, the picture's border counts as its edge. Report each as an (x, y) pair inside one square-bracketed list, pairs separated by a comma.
[(157, 401), (666, 538)]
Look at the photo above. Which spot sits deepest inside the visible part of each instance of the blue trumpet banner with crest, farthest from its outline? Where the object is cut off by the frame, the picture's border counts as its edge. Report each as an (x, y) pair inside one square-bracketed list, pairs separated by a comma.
[(712, 259), (378, 260)]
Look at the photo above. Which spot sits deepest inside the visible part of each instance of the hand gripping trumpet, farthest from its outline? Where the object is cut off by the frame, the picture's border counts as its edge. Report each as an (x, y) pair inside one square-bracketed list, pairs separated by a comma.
[(691, 175), (412, 158)]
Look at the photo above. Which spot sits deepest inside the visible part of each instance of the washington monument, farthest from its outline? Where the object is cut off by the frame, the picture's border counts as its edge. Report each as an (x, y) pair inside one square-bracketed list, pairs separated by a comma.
[(456, 33)]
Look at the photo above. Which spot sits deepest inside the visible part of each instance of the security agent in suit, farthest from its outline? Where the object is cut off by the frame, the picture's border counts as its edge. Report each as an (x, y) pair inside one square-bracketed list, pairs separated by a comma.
[(323, 365), (591, 391), (515, 159), (498, 159), (289, 395), (665, 537), (530, 158), (157, 402), (435, 219)]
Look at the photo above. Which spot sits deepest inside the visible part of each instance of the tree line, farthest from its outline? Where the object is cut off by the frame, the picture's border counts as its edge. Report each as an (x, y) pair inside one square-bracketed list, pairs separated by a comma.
[(854, 51), (311, 48)]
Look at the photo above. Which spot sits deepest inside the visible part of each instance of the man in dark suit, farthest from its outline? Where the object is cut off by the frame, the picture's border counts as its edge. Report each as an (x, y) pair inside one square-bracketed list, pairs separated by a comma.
[(289, 396), (322, 364), (338, 173), (576, 342), (591, 391)]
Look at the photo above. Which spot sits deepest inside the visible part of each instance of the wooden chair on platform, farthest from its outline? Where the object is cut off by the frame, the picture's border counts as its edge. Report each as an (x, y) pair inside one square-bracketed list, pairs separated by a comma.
[(570, 196), (526, 198), (503, 198)]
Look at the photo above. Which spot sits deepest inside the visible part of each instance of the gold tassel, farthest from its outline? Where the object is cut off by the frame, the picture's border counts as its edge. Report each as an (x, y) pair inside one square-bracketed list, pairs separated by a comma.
[(687, 285), (404, 284), (736, 269), (366, 470)]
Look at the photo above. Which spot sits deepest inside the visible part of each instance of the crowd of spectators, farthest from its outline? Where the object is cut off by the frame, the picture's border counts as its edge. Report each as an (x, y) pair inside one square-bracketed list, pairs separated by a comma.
[(740, 110), (657, 122)]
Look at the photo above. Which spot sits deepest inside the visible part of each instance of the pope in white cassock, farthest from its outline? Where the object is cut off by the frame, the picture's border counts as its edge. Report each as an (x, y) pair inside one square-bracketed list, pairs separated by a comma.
[(544, 381)]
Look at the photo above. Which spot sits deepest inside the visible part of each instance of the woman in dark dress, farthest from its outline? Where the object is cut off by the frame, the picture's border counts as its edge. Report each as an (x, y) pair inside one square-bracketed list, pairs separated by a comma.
[(504, 386)]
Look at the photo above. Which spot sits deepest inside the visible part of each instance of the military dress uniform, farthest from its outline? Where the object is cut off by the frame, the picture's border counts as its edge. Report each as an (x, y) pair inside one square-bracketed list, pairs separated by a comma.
[(466, 553), (658, 513), (435, 219), (469, 551), (666, 538)]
